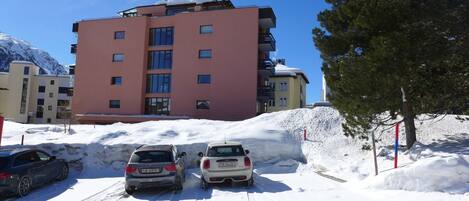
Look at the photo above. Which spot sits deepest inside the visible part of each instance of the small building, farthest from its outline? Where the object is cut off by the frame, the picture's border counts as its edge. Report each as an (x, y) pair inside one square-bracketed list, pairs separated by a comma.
[(289, 85), (28, 97)]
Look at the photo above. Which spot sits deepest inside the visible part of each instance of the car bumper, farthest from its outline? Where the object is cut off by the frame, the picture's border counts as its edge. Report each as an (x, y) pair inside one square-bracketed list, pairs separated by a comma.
[(7, 189), (223, 176), (149, 182)]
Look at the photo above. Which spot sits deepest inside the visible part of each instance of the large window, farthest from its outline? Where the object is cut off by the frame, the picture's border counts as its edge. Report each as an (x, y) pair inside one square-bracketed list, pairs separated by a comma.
[(159, 83), (206, 29), (42, 89), (114, 104), (119, 35), (203, 105), (40, 112), (157, 106), (160, 59), (205, 54), (161, 36), (63, 90), (204, 79), (116, 81), (24, 93), (283, 86), (26, 70), (40, 101), (118, 57)]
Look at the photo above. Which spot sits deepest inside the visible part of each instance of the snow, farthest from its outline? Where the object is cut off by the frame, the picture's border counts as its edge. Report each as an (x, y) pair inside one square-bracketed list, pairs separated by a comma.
[(286, 167), (281, 69)]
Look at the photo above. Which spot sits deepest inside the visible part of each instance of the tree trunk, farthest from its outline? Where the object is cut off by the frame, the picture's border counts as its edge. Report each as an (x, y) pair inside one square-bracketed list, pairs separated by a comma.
[(409, 123)]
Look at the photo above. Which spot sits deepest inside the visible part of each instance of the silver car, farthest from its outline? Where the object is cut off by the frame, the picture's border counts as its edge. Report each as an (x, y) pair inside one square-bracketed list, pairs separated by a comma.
[(155, 166)]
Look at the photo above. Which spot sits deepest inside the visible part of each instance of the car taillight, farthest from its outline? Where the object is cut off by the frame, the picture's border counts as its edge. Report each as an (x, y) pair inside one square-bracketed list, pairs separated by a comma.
[(247, 162), (206, 164), (129, 169), (4, 175), (170, 168)]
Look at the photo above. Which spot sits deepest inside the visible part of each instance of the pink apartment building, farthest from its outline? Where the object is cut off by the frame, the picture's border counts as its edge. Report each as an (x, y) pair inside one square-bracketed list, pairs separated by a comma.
[(208, 60)]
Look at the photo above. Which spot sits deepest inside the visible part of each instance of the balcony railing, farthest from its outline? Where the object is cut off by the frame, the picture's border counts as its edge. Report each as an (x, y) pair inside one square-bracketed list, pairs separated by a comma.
[(267, 18), (267, 42), (267, 65), (265, 93), (75, 27), (73, 48)]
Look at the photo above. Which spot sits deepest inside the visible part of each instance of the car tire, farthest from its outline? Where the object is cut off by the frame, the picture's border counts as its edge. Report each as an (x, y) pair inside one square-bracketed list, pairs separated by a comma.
[(203, 184), (250, 182), (130, 190), (24, 186), (64, 173)]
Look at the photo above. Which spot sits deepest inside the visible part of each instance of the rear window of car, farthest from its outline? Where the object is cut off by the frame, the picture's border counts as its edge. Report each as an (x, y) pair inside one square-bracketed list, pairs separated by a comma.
[(226, 151), (151, 157), (3, 162)]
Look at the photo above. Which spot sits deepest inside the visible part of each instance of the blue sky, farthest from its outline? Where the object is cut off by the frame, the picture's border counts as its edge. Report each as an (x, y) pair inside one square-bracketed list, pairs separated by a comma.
[(47, 25)]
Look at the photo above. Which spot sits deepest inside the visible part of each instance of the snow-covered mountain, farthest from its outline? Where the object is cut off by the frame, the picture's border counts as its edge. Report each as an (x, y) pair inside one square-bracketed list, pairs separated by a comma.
[(14, 49)]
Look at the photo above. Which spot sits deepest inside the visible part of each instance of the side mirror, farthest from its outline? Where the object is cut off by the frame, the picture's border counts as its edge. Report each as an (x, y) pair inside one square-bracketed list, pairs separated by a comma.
[(52, 158), (246, 151), (182, 154), (201, 154)]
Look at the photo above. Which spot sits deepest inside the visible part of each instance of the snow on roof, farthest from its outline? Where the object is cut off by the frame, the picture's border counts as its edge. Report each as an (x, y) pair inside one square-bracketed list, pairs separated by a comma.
[(177, 2), (282, 70)]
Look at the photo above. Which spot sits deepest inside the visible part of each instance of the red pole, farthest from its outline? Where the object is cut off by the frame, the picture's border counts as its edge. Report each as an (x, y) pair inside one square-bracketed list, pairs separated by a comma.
[(1, 128), (304, 135), (396, 146)]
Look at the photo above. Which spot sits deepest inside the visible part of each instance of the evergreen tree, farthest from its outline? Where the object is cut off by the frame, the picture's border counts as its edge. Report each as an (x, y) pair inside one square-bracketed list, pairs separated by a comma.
[(384, 58)]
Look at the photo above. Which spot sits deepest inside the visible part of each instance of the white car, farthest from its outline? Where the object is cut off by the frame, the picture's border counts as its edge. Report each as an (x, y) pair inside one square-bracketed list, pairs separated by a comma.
[(226, 162)]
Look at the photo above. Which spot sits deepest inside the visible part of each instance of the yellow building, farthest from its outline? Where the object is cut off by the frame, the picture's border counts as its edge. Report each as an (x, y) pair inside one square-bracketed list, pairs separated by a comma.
[(289, 85), (28, 97)]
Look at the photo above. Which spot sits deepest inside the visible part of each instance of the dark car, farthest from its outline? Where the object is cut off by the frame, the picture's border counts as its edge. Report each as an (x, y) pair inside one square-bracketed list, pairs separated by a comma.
[(24, 169), (155, 166)]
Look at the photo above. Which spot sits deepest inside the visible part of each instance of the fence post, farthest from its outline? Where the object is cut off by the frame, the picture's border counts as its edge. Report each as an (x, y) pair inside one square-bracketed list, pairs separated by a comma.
[(305, 136), (22, 140), (396, 146), (1, 128)]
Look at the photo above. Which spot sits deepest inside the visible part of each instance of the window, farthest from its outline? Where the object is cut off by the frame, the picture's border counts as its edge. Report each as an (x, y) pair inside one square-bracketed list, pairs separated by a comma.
[(226, 151), (283, 86), (152, 157), (62, 109), (173, 11), (272, 86), (63, 103), (205, 54), (63, 90), (159, 83), (271, 103), (119, 35), (204, 79), (52, 82), (160, 59), (206, 29), (40, 111), (51, 95), (40, 101), (42, 89), (43, 156), (26, 70), (49, 120), (26, 158), (203, 105), (49, 107), (283, 102), (118, 57), (157, 106), (116, 81), (114, 104), (161, 36), (24, 94)]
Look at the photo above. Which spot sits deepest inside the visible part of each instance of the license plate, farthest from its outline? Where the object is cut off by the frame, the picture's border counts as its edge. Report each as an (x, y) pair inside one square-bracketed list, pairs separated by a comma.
[(150, 171), (227, 164)]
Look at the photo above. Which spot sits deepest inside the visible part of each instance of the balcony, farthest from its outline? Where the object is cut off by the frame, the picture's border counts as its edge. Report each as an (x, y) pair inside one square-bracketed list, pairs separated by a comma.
[(75, 27), (267, 42), (73, 49), (265, 93), (267, 18), (267, 67)]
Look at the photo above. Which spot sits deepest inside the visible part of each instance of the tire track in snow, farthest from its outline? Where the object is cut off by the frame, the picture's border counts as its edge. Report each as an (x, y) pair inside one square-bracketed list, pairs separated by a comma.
[(96, 195)]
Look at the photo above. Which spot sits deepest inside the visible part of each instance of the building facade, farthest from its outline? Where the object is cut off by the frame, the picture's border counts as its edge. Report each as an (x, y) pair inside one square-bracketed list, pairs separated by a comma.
[(207, 60), (28, 97), (289, 85)]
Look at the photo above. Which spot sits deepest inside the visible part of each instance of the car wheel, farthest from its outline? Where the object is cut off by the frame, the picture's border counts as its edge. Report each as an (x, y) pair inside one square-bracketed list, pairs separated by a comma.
[(64, 173), (24, 186), (130, 190), (250, 182), (203, 184)]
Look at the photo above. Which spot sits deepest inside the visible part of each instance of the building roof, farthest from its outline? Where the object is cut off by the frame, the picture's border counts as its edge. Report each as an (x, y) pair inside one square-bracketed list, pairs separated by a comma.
[(285, 71), (23, 62)]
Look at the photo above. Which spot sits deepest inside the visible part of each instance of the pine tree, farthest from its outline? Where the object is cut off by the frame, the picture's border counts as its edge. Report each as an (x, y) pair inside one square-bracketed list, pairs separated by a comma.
[(378, 52)]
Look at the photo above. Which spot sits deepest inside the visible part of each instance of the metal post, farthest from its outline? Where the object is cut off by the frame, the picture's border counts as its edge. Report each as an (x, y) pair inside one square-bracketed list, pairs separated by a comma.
[(1, 128), (396, 146), (304, 135), (22, 140), (374, 152)]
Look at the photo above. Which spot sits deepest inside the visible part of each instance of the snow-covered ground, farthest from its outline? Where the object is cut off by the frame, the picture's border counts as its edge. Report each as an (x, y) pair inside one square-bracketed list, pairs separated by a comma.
[(436, 168)]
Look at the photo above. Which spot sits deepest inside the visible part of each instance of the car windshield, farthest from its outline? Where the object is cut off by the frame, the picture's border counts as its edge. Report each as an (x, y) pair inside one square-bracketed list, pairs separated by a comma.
[(226, 151), (151, 157), (3, 162)]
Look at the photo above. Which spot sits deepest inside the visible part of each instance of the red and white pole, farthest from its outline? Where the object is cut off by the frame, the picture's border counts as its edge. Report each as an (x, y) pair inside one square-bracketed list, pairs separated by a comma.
[(1, 128), (396, 146), (304, 135)]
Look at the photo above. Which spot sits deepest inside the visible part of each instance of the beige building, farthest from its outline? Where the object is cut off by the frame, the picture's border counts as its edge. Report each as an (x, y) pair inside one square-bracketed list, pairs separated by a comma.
[(289, 85), (28, 97)]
